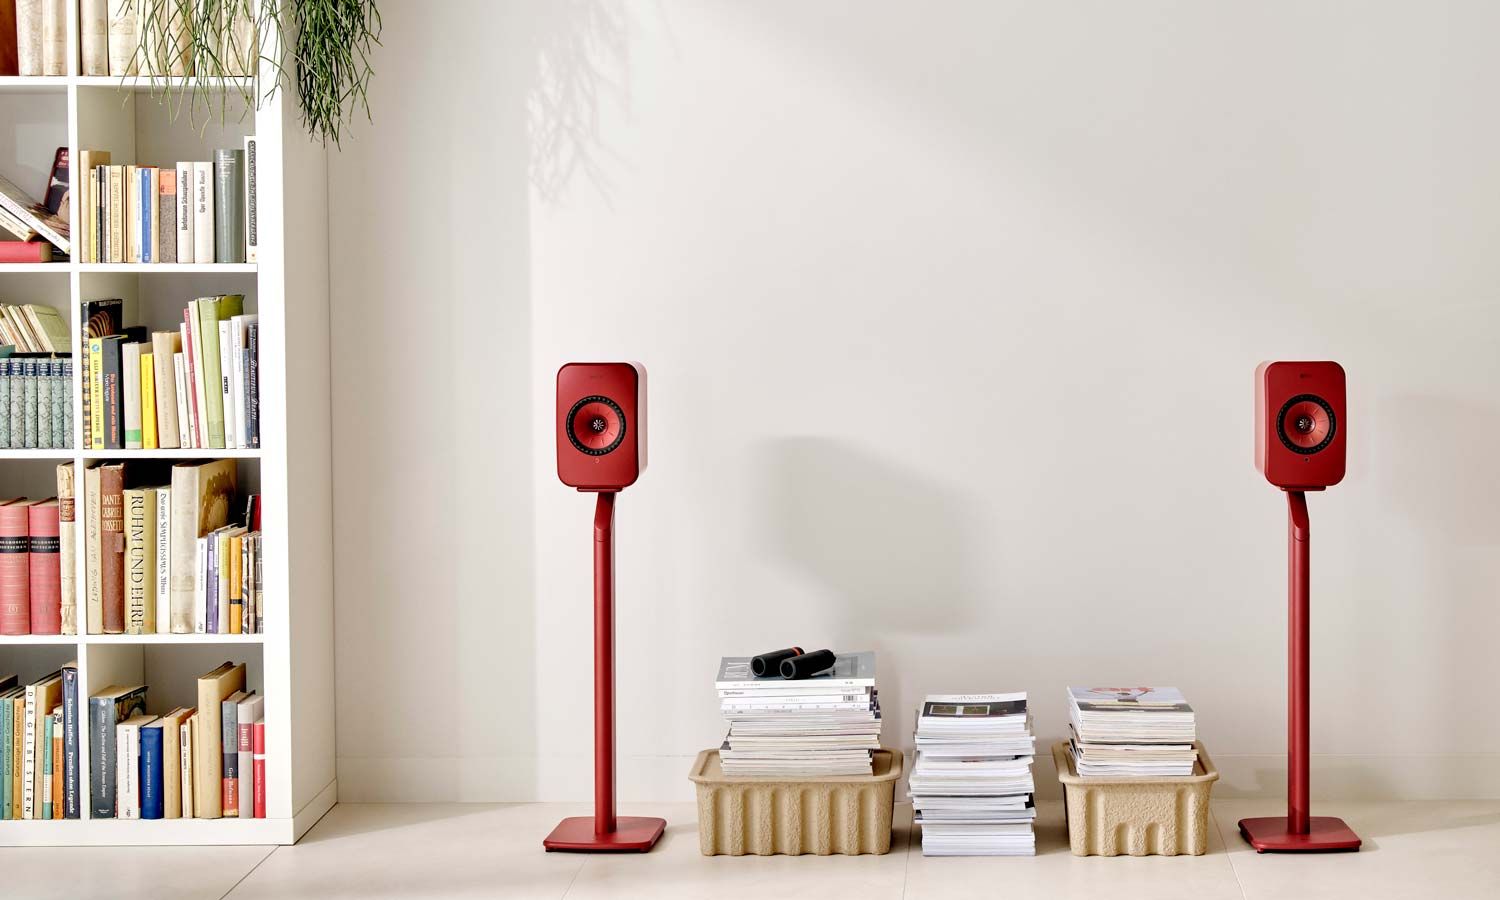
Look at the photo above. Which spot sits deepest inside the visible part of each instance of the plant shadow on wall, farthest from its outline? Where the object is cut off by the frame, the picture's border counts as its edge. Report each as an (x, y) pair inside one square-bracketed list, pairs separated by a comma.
[(884, 544)]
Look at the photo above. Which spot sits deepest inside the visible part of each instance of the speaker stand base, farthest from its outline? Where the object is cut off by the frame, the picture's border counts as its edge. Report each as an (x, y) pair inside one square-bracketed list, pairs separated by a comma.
[(632, 834), (1325, 834)]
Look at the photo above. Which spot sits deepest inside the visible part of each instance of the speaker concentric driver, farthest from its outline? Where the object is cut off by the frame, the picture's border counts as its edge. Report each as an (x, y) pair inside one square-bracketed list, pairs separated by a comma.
[(596, 425), (1306, 424)]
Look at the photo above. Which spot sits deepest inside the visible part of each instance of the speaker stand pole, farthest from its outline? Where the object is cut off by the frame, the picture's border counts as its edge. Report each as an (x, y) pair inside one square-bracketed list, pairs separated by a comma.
[(604, 831), (1298, 830)]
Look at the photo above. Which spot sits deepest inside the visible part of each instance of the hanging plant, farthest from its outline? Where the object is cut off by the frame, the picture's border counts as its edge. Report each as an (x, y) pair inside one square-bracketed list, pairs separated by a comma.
[(326, 62)]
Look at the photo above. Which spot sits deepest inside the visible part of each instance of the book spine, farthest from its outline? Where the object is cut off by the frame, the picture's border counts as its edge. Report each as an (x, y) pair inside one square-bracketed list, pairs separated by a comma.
[(145, 221), (135, 561), (236, 581), (184, 529), (229, 214), (112, 397), (244, 770), (259, 738), (187, 738), (67, 514), (92, 553), (252, 230), (130, 393), (193, 344), (260, 582), (252, 387), (127, 767), (93, 27), (6, 736), (54, 37), (163, 560), (212, 623), (229, 743), (101, 758), (29, 36), (45, 802), (28, 404), (116, 175), (184, 420), (123, 39), (201, 607), (163, 370), (151, 773), (15, 575), (132, 209), (18, 758), (46, 574), (5, 384), (148, 401), (44, 404), (112, 550), (57, 757), (17, 403), (227, 359), (203, 212), (166, 205), (185, 213), (28, 755), (72, 808), (62, 387)]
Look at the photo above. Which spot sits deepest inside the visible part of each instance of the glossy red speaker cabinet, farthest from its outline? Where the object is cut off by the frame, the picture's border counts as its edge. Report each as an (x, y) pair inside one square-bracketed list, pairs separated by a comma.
[(1300, 423), (601, 425)]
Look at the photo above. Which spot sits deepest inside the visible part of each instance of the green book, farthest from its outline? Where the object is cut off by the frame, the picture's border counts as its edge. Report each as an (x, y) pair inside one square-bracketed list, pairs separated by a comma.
[(211, 311), (7, 748), (45, 800)]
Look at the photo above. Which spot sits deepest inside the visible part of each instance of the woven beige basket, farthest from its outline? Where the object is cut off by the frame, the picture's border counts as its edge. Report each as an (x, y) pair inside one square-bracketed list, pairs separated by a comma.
[(1136, 816), (765, 815)]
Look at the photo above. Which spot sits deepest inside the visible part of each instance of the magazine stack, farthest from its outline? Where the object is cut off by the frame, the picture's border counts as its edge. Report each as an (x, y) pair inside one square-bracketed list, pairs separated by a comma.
[(825, 725), (1131, 731), (971, 786)]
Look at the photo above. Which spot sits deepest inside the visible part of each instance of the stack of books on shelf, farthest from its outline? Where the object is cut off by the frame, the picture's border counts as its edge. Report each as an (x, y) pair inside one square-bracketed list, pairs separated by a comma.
[(36, 401), (828, 724), (31, 577), (971, 787), (189, 212), (1143, 732), (38, 42), (161, 554), (38, 731), (197, 387), (119, 37), (38, 227), (205, 762)]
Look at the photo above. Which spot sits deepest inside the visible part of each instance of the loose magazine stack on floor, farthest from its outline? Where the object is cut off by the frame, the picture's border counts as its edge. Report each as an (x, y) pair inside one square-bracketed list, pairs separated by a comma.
[(283, 293)]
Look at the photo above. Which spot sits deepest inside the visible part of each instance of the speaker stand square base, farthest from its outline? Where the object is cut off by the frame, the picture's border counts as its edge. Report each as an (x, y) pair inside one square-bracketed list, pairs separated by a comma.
[(632, 833), (1325, 834)]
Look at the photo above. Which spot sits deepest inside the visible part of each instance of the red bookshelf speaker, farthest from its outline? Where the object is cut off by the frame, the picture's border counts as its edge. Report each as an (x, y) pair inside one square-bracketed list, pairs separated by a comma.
[(1299, 424), (601, 448), (1300, 436), (601, 425)]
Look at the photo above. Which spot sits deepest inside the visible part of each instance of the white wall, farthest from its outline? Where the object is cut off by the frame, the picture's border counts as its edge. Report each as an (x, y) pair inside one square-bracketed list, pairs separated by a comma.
[(951, 313)]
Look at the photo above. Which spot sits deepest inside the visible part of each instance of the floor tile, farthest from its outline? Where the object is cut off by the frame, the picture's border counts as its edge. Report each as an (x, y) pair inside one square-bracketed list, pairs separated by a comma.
[(87, 873), (676, 868), (1412, 850), (1056, 874), (420, 852)]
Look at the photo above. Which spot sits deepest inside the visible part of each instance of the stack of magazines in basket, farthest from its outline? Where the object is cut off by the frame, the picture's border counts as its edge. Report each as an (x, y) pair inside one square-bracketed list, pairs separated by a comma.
[(971, 786), (1143, 732), (826, 725)]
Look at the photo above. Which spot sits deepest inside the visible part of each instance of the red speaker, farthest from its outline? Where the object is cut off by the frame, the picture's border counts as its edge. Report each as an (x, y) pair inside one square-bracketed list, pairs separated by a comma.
[(601, 425), (1299, 424)]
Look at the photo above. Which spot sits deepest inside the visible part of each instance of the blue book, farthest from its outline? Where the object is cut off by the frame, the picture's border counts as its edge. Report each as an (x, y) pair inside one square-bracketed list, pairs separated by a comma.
[(146, 225), (46, 798), (151, 770)]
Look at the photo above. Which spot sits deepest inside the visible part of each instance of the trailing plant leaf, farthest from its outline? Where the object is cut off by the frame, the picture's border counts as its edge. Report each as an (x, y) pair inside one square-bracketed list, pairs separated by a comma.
[(331, 50)]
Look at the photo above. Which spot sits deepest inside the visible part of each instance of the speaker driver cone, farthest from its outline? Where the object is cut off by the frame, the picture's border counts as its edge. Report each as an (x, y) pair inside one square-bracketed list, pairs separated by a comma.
[(1306, 424), (596, 425)]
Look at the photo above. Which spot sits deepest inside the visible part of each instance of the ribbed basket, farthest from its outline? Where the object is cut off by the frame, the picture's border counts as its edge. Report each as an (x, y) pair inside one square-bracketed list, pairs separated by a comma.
[(763, 816), (1136, 816)]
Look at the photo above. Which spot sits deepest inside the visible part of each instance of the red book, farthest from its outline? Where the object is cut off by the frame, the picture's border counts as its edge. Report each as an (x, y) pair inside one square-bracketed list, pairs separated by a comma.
[(259, 741), (15, 569), (25, 252), (46, 568)]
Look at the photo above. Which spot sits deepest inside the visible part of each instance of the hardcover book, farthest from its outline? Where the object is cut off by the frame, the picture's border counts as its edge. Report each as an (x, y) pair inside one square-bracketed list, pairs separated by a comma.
[(201, 496), (229, 213), (43, 524), (15, 573), (112, 546), (152, 781), (208, 758), (72, 792), (108, 708)]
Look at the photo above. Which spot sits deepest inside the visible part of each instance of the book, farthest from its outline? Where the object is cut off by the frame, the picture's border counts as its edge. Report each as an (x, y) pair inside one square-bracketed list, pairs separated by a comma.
[(128, 766), (67, 550), (130, 391), (164, 347), (43, 525), (252, 231), (71, 787), (112, 546), (229, 213), (251, 710), (15, 721), (124, 37), (15, 572), (108, 708), (171, 755), (208, 313), (106, 353), (29, 36), (100, 318), (208, 758), (203, 212), (115, 217), (163, 575), (143, 223), (140, 561), (44, 802), (25, 252), (187, 737), (93, 546), (93, 27), (192, 343), (41, 696), (228, 362), (186, 213), (132, 206), (252, 382), (166, 224), (258, 736), (184, 418), (56, 197), (236, 583), (148, 400), (229, 743), (33, 216), (200, 495), (153, 750), (54, 37)]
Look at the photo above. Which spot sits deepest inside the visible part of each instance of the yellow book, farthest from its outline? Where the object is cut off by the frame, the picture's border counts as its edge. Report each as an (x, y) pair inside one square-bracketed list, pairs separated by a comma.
[(148, 402), (96, 393), (236, 596)]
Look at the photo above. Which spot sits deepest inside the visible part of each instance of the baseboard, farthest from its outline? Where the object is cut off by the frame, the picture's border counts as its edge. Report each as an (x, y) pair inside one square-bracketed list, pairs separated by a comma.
[(313, 810), (664, 778)]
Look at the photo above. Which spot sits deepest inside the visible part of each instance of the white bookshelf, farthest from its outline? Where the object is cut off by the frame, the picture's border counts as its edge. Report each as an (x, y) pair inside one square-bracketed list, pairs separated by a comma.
[(291, 662)]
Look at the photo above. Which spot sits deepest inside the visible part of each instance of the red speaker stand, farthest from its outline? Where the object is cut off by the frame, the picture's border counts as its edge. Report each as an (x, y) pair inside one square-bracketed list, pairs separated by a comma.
[(605, 832), (1298, 831)]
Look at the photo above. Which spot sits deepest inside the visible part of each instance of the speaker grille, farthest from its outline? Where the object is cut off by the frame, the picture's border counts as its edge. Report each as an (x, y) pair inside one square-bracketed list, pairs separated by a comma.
[(1306, 424), (596, 425)]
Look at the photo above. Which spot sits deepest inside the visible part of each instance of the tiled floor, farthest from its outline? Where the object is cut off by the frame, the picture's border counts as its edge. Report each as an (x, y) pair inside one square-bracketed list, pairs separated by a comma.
[(411, 852)]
